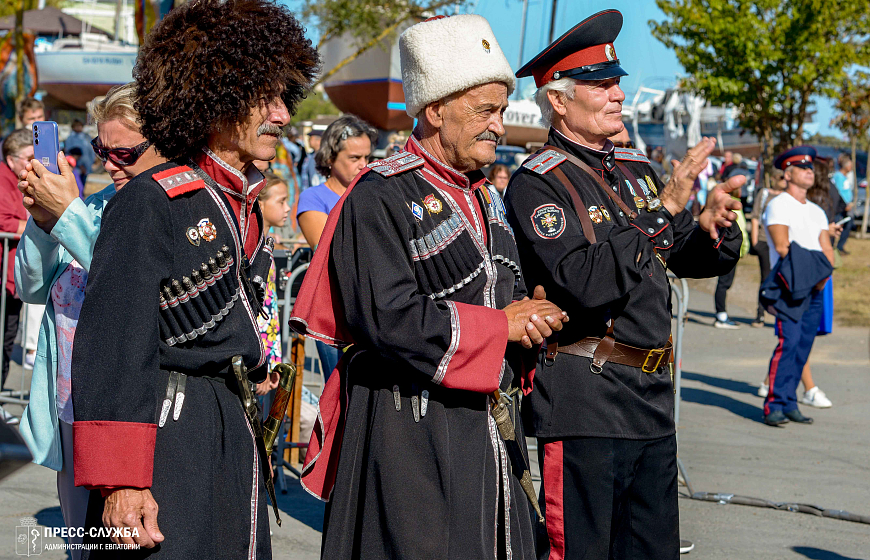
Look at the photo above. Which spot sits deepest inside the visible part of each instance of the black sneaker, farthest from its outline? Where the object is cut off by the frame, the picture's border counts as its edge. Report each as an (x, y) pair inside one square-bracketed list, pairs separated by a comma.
[(776, 418), (796, 416)]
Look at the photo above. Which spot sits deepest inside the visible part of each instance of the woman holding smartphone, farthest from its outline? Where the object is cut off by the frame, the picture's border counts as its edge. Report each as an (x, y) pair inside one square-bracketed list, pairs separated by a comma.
[(51, 268)]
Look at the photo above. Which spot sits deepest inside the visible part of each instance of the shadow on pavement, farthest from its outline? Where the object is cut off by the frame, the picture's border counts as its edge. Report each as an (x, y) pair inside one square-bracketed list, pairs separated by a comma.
[(819, 554), (709, 398), (301, 506), (50, 517), (707, 317), (728, 384)]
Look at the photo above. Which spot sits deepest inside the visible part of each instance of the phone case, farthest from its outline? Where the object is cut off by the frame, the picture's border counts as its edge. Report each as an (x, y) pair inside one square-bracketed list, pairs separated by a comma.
[(46, 145)]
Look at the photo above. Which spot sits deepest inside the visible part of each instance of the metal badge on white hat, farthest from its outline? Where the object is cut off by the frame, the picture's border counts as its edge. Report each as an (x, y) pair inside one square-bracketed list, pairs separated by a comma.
[(485, 44)]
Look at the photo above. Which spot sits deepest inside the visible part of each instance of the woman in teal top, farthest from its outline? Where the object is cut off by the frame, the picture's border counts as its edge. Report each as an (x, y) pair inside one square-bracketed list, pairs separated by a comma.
[(51, 268)]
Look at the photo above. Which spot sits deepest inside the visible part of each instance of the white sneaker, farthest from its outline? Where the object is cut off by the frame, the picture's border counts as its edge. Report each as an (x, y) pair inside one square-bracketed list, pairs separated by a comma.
[(686, 546), (9, 418), (817, 398), (763, 390)]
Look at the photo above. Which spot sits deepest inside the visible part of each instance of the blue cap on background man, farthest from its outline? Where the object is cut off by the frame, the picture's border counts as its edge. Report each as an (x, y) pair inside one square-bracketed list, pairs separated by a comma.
[(799, 156), (584, 53)]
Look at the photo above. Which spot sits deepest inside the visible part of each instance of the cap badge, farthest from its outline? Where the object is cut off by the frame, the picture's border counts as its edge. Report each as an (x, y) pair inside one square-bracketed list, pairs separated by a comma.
[(206, 229), (193, 236), (557, 75), (610, 52), (485, 44), (432, 204)]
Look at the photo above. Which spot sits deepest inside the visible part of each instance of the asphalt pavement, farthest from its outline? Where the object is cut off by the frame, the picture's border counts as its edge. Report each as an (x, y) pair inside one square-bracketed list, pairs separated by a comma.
[(722, 442)]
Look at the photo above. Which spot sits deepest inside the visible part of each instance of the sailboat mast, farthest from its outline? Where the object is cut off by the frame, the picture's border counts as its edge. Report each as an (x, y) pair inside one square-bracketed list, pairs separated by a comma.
[(552, 22), (522, 40), (118, 6)]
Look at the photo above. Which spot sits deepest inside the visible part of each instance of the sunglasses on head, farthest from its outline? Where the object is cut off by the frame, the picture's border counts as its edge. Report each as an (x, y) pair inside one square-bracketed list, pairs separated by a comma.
[(120, 156)]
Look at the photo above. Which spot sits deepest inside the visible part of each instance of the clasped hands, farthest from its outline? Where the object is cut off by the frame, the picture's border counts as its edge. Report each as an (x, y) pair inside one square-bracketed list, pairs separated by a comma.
[(530, 321), (719, 212)]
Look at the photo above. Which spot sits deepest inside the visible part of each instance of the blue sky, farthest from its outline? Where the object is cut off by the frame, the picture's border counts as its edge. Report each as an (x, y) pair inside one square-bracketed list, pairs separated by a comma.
[(648, 62)]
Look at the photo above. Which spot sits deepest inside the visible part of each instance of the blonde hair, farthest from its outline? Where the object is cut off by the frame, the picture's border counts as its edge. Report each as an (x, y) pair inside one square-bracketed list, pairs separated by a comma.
[(118, 104)]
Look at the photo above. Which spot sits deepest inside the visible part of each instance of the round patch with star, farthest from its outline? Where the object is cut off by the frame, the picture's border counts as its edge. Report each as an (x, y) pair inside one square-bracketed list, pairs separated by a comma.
[(548, 221)]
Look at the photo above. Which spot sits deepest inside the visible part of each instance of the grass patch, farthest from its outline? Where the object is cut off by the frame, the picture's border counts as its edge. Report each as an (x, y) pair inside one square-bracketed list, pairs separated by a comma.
[(852, 285)]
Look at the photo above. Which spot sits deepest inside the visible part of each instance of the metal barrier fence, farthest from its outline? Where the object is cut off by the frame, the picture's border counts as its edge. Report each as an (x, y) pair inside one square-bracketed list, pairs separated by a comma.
[(681, 292), (11, 396)]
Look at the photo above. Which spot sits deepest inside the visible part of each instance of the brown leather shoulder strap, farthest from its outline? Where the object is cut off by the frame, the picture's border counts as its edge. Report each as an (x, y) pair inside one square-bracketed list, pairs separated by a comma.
[(601, 182), (579, 207)]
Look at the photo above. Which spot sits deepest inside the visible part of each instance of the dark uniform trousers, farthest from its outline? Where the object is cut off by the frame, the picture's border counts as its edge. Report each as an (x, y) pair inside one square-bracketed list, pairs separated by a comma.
[(598, 492)]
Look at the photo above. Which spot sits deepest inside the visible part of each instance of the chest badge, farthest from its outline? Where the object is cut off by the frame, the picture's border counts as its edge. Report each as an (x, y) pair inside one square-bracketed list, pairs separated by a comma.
[(595, 214), (193, 236), (652, 185), (432, 204), (548, 221), (605, 213), (206, 229), (417, 210)]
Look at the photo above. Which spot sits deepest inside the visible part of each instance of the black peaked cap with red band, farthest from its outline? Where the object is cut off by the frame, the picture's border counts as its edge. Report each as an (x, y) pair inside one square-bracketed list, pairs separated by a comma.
[(584, 53), (799, 156)]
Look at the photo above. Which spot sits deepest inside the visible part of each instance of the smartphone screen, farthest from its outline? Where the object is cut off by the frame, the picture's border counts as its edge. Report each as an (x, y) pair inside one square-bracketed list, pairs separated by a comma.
[(46, 145)]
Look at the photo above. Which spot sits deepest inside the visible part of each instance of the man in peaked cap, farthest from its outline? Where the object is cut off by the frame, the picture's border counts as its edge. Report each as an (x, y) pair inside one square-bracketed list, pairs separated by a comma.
[(597, 228), (418, 268), (790, 219)]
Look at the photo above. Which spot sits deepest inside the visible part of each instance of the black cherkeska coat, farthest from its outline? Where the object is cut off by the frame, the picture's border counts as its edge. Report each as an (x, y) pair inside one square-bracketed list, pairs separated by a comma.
[(422, 260), (201, 467)]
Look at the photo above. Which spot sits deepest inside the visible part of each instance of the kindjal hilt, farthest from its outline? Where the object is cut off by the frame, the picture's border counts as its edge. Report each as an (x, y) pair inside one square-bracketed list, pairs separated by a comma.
[(283, 394)]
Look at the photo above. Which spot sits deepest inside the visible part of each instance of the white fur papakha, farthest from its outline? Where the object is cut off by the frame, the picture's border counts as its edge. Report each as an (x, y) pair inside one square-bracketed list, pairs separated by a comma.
[(448, 55)]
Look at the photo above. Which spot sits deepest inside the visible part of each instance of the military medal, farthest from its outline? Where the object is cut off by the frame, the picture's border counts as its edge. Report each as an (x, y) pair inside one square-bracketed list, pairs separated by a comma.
[(417, 210), (605, 213), (206, 229), (432, 204), (638, 202), (595, 214), (193, 236), (652, 185)]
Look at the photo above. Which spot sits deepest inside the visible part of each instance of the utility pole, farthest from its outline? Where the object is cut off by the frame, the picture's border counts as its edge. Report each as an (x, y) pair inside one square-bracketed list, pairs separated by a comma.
[(553, 22)]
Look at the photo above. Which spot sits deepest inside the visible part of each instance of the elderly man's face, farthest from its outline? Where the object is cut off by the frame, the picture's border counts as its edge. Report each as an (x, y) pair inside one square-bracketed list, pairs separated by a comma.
[(596, 110), (18, 161), (258, 136), (472, 125)]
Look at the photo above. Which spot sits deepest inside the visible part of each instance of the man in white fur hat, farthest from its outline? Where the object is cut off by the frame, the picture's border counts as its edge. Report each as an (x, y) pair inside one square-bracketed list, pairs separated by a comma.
[(418, 269)]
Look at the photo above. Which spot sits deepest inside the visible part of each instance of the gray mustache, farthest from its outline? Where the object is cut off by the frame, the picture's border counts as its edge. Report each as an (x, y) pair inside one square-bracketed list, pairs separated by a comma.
[(269, 128), (487, 135)]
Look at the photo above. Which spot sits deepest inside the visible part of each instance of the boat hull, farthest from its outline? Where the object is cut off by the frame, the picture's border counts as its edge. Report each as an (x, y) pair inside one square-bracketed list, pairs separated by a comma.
[(77, 76)]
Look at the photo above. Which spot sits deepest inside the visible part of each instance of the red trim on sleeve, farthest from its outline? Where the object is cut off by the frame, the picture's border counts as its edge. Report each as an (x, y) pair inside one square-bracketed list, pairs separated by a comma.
[(476, 363), (645, 232), (113, 454)]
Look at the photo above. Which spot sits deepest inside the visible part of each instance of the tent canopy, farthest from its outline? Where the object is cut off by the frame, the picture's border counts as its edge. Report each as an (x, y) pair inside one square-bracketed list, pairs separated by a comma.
[(48, 21)]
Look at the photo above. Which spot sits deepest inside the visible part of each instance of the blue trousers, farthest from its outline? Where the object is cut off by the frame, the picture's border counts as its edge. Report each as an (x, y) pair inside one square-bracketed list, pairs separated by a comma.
[(791, 355)]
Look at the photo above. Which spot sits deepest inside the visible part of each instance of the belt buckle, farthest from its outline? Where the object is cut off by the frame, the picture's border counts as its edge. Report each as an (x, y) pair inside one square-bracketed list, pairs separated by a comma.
[(657, 351)]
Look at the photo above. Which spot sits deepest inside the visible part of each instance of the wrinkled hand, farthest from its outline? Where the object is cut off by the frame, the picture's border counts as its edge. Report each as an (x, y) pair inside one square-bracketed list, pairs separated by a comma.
[(676, 193), (530, 321), (719, 211), (134, 509), (46, 195)]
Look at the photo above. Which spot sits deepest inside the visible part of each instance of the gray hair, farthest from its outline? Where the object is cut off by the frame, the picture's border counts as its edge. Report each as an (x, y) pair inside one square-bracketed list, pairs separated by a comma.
[(16, 141), (565, 86), (334, 138)]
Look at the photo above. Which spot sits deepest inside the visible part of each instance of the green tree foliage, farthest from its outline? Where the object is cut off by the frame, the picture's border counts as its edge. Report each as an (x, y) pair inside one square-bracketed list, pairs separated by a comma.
[(313, 106), (853, 118), (768, 58), (7, 7), (368, 22)]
